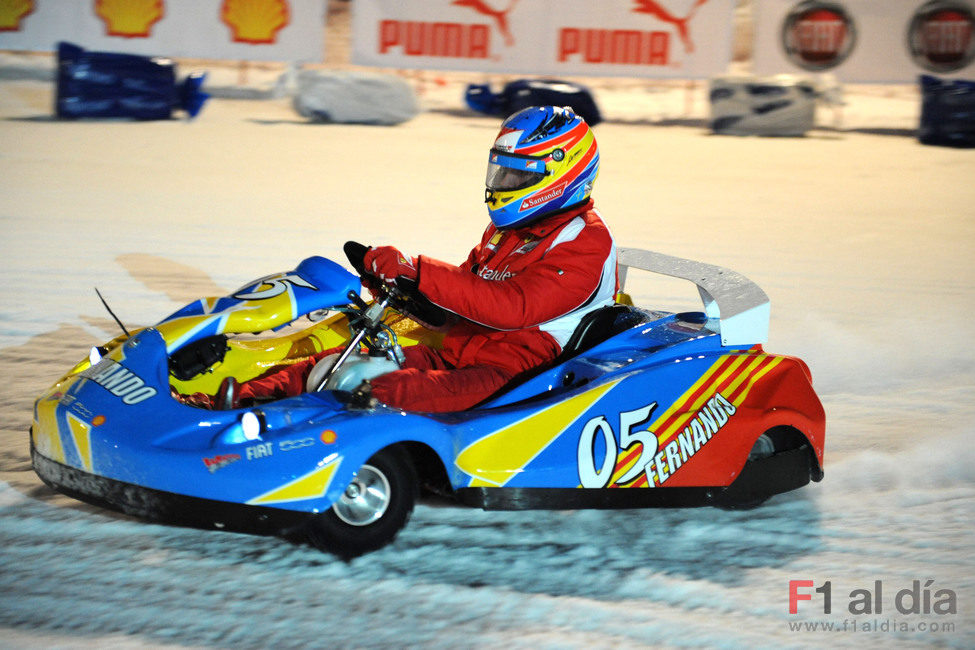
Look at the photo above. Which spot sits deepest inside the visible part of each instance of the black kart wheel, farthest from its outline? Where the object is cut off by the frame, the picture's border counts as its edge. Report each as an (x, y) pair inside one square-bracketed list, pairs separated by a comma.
[(754, 484), (733, 498), (373, 509)]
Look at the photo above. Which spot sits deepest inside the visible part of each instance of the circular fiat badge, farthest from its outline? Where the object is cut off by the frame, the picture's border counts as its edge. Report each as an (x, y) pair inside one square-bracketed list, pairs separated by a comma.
[(818, 36), (940, 36)]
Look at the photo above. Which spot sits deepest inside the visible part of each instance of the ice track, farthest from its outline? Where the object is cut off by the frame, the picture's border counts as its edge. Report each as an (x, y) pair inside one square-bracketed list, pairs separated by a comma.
[(547, 579), (862, 238)]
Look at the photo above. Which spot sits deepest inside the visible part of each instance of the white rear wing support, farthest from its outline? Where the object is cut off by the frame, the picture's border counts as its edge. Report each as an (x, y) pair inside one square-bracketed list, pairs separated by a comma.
[(739, 307)]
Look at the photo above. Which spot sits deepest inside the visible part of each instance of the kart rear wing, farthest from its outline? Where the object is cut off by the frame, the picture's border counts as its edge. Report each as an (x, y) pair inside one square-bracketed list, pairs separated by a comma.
[(739, 307)]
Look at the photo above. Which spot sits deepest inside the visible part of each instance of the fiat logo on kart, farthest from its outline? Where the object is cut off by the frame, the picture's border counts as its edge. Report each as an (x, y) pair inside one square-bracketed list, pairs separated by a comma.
[(939, 36), (276, 285), (818, 36)]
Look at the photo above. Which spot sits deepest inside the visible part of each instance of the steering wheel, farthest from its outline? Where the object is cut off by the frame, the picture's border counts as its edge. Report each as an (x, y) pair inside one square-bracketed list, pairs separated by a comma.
[(405, 294)]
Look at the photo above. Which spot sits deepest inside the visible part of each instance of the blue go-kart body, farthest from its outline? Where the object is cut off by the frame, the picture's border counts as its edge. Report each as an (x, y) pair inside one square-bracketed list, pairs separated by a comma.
[(643, 408)]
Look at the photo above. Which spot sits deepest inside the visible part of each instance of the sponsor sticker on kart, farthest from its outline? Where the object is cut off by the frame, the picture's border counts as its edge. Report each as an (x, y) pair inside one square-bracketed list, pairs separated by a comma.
[(119, 381)]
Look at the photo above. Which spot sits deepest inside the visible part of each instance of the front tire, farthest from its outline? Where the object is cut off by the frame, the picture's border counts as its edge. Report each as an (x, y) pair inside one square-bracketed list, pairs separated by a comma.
[(374, 507)]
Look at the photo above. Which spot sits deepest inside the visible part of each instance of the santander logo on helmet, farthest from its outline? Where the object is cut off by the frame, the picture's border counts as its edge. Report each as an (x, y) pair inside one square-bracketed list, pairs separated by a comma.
[(544, 160)]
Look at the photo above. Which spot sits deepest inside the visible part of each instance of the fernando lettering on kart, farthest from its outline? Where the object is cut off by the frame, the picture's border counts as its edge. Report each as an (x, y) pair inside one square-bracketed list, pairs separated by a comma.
[(545, 260)]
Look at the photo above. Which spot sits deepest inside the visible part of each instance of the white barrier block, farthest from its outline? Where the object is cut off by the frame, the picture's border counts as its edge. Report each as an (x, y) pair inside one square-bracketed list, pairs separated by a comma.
[(783, 105)]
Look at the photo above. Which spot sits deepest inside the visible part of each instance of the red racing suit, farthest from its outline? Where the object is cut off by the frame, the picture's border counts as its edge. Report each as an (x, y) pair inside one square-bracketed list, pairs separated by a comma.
[(517, 298)]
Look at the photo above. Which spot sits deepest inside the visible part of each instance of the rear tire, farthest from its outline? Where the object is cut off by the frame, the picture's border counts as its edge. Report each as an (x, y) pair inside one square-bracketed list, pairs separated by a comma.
[(375, 506), (773, 441)]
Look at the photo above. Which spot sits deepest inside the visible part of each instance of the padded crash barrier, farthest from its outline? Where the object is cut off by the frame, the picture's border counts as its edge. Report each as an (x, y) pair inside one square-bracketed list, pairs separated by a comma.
[(523, 93), (354, 98), (947, 112), (114, 85), (783, 105)]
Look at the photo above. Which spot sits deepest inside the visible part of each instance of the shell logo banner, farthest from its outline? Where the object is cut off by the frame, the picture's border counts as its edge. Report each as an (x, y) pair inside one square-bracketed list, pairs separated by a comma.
[(626, 38), (12, 13), (893, 41), (255, 21), (264, 30), (129, 18)]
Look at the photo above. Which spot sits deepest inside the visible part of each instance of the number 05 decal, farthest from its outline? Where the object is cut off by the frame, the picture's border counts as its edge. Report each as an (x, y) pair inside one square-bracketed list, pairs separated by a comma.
[(592, 477)]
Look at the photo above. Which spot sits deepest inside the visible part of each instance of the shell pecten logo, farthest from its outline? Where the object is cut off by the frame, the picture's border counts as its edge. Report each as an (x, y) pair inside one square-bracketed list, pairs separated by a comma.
[(255, 21), (12, 12), (129, 18)]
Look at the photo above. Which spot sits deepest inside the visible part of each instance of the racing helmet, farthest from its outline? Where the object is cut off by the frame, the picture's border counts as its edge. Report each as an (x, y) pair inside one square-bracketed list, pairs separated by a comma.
[(544, 160)]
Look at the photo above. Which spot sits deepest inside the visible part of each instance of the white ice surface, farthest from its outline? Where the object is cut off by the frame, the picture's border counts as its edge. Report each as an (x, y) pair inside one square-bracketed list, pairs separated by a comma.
[(862, 238)]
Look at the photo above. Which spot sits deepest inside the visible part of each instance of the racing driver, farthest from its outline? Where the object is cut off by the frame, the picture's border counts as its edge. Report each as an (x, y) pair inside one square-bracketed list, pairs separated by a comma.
[(545, 260)]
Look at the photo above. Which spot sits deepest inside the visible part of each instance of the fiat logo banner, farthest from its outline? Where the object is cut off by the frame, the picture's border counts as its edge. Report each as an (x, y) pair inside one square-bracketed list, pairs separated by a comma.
[(818, 36), (893, 41), (939, 36)]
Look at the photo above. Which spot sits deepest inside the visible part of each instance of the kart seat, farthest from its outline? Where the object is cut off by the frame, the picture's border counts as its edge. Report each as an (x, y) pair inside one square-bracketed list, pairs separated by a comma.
[(594, 328), (597, 326)]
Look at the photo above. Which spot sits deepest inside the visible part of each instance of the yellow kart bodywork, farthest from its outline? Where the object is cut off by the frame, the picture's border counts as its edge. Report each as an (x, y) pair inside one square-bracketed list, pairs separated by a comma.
[(247, 358)]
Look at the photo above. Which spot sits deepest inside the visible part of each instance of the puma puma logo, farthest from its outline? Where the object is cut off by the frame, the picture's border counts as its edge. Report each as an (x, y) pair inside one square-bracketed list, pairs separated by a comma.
[(500, 16), (681, 24)]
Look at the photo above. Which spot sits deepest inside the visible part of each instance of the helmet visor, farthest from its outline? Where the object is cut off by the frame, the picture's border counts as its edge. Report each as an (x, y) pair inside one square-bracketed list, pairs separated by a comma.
[(507, 172)]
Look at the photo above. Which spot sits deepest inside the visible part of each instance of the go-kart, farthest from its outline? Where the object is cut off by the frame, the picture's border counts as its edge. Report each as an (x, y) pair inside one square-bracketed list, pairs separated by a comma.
[(642, 408)]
